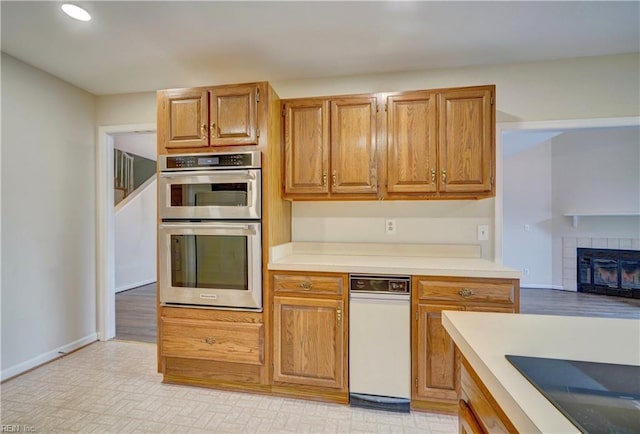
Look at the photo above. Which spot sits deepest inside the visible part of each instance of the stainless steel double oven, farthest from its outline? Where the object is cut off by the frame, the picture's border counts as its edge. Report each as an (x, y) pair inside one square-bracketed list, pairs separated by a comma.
[(210, 245)]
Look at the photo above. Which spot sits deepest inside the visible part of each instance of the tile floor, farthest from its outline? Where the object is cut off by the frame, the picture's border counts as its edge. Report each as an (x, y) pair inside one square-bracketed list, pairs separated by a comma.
[(113, 387)]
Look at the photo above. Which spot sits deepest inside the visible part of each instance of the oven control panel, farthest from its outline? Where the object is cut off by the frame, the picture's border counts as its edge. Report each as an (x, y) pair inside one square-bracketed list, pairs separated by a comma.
[(217, 161)]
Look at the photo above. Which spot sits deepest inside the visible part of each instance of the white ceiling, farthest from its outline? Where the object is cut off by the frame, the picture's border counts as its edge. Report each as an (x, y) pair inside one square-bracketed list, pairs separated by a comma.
[(133, 46)]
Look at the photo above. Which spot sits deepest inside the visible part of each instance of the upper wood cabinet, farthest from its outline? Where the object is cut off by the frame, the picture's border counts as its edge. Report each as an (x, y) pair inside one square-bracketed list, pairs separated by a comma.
[(197, 119), (465, 142), (425, 144), (306, 146), (183, 115), (440, 144), (330, 147), (412, 143)]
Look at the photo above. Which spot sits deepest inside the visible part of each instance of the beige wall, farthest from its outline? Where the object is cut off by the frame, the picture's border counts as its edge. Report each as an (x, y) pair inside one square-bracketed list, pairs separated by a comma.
[(583, 88), (593, 87), (48, 217)]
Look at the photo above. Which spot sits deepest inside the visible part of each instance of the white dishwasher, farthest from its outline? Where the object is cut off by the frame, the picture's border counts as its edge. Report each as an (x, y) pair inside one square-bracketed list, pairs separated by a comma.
[(380, 342)]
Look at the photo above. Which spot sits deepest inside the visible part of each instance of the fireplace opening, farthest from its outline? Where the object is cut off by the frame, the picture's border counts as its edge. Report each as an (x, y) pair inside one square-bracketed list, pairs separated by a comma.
[(609, 272)]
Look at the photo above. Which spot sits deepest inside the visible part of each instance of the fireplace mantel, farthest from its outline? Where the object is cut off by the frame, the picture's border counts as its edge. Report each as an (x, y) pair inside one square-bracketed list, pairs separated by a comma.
[(577, 215)]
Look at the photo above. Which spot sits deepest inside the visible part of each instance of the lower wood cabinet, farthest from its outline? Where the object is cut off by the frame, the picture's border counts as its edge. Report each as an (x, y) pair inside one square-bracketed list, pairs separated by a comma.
[(310, 335), (309, 343), (435, 359), (478, 412), (210, 347)]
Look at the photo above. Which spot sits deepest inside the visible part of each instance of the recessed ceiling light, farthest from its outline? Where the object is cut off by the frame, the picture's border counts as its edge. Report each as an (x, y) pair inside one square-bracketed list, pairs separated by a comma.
[(76, 12)]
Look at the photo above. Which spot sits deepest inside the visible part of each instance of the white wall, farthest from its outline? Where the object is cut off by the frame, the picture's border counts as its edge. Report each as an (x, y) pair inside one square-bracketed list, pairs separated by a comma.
[(596, 170), (135, 240), (48, 217), (143, 144), (527, 201), (592, 87), (440, 222)]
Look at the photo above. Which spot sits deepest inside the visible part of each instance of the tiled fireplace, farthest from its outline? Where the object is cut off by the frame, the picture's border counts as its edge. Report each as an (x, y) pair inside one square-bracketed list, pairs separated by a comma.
[(607, 266)]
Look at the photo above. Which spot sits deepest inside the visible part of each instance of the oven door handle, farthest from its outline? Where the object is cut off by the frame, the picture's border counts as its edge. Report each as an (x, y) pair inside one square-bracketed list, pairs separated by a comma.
[(222, 174), (241, 229)]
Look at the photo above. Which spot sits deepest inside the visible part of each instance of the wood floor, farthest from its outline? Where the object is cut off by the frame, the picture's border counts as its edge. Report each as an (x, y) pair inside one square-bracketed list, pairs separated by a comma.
[(136, 308), (136, 314)]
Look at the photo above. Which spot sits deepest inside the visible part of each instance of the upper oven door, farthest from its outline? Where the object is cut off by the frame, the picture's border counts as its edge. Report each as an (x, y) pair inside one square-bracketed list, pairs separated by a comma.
[(221, 194)]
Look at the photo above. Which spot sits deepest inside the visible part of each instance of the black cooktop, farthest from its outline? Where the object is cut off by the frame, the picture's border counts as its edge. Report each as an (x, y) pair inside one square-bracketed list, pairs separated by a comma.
[(595, 397)]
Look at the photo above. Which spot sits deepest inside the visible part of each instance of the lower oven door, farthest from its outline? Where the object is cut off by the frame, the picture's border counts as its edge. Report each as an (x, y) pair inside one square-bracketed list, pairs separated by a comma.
[(211, 264)]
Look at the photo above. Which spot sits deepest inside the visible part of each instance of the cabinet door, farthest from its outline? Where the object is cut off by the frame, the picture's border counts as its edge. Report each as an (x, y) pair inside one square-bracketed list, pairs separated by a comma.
[(437, 364), (353, 145), (182, 119), (308, 344), (306, 146), (465, 146), (411, 143), (233, 112)]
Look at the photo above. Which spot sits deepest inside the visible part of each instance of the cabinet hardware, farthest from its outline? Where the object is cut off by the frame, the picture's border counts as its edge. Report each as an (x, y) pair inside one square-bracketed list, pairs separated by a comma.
[(324, 179), (213, 129), (334, 178), (444, 176), (306, 285), (433, 176), (258, 95), (210, 340), (203, 129), (465, 292), (491, 101), (339, 314), (258, 132), (416, 382)]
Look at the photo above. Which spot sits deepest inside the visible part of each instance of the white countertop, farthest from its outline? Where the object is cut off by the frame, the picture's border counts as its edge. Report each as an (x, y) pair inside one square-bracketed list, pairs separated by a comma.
[(485, 338), (418, 259)]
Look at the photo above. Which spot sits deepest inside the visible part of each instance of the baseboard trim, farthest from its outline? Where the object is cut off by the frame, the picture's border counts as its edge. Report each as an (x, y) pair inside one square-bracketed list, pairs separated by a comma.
[(23, 367), (135, 285), (540, 286)]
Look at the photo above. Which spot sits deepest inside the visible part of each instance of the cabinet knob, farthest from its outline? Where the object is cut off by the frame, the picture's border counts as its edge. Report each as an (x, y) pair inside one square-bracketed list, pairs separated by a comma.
[(465, 292), (324, 179), (334, 178), (444, 176), (306, 285), (433, 176), (213, 129), (203, 129), (339, 315), (210, 340)]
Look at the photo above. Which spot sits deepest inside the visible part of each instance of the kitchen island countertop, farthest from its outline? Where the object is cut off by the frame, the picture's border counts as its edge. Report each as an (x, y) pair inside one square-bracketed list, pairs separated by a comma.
[(485, 338), (424, 260)]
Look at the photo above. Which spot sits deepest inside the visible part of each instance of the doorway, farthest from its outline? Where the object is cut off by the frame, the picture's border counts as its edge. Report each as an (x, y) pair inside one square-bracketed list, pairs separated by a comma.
[(543, 231), (105, 223)]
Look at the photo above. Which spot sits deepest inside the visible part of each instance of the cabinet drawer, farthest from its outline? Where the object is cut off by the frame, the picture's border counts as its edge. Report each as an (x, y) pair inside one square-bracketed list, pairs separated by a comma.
[(213, 340), (488, 414), (473, 291), (308, 284)]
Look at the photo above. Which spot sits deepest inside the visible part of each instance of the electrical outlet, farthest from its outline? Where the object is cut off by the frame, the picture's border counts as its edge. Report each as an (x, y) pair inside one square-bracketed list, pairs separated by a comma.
[(527, 228), (526, 271), (483, 232), (390, 227)]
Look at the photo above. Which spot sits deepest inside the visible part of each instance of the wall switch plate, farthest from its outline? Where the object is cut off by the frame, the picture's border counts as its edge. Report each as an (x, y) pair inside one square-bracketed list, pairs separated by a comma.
[(526, 271), (527, 227), (390, 227), (483, 232)]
